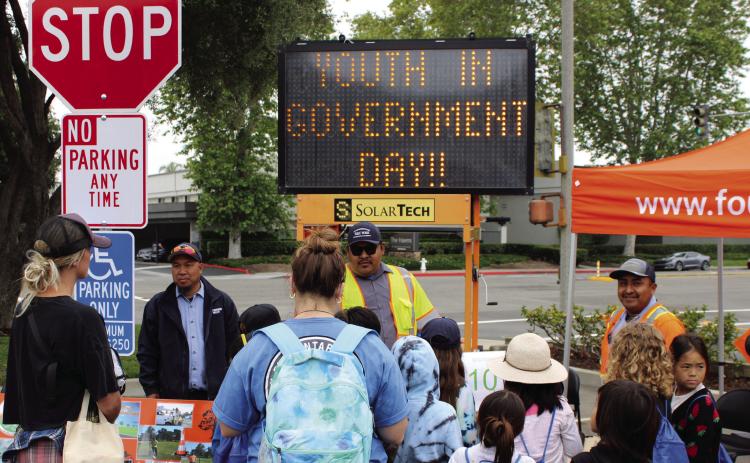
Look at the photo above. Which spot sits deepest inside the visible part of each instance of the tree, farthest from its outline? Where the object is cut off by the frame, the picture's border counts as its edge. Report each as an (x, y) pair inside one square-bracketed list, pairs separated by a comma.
[(640, 64), (235, 170), (171, 168), (220, 104), (28, 143)]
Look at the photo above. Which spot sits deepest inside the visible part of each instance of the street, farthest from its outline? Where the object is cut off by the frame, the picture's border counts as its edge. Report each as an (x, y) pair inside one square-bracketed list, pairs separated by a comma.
[(512, 292)]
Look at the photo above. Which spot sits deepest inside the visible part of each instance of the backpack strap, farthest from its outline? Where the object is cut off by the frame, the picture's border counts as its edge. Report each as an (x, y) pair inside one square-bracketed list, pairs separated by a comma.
[(549, 432), (349, 339), (284, 338), (702, 396), (466, 454)]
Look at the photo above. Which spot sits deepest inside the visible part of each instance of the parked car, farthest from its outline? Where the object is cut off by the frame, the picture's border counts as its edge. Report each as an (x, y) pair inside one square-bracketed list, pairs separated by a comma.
[(147, 254), (682, 261)]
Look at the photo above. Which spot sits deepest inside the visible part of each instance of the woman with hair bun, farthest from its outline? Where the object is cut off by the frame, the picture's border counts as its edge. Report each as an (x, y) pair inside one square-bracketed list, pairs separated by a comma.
[(58, 347), (316, 287), (501, 419)]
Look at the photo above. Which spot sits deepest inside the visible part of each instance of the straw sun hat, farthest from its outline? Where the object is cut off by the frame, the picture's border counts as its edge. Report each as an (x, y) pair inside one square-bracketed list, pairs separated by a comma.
[(527, 360)]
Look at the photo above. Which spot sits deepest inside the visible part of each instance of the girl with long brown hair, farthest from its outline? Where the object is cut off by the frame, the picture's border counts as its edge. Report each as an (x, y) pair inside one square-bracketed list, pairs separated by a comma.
[(445, 338)]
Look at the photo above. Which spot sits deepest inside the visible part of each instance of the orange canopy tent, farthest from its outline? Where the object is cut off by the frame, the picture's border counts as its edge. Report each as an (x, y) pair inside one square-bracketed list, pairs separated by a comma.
[(705, 193)]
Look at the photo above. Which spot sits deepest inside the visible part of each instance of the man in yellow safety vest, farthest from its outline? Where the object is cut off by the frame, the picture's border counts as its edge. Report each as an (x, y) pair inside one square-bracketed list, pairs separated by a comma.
[(636, 289), (393, 293)]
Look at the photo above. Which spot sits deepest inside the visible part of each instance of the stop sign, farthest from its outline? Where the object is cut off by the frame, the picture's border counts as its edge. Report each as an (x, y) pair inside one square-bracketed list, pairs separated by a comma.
[(104, 54)]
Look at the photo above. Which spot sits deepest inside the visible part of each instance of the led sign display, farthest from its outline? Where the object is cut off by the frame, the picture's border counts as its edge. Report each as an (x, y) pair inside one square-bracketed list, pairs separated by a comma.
[(407, 116)]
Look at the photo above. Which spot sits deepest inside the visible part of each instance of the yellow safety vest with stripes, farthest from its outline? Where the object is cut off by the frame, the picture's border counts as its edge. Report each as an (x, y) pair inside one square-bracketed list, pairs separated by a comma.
[(404, 310)]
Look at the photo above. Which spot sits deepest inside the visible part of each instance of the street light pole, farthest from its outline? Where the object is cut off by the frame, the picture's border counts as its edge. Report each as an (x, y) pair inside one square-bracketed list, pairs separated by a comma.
[(567, 237)]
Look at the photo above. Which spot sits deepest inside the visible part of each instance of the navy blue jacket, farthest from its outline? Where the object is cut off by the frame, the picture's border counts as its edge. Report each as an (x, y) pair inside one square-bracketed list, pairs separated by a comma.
[(163, 346)]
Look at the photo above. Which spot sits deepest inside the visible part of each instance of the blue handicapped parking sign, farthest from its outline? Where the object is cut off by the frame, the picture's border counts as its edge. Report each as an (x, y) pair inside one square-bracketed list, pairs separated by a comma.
[(108, 288)]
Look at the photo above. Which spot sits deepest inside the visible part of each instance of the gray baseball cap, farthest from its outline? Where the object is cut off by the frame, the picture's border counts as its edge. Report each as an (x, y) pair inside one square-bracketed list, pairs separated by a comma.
[(637, 267)]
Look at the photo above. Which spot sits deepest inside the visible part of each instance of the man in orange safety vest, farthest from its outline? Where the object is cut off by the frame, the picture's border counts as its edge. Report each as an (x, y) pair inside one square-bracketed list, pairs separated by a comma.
[(636, 289)]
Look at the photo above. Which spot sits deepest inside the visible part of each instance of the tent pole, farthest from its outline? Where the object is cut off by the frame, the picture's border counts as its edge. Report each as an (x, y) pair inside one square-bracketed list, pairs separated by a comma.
[(720, 286), (570, 283)]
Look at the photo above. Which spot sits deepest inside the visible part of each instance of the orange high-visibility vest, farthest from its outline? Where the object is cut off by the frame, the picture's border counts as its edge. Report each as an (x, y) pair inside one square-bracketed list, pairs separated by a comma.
[(658, 316)]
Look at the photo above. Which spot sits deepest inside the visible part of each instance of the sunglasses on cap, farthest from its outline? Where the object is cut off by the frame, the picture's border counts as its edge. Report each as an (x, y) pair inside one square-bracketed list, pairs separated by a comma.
[(357, 248), (183, 249)]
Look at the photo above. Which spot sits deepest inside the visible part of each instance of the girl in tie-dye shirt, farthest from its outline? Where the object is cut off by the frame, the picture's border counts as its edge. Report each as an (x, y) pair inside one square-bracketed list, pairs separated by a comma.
[(433, 433)]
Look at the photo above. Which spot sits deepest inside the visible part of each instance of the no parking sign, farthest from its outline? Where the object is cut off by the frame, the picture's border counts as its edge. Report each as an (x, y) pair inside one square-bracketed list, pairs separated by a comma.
[(108, 288)]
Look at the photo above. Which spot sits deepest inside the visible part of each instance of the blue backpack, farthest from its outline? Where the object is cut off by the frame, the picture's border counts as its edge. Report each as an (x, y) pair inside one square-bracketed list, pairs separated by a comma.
[(317, 408), (668, 448)]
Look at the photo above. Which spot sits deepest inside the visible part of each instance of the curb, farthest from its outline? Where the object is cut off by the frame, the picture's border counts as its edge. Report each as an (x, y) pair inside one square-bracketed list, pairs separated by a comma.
[(231, 269), (449, 273)]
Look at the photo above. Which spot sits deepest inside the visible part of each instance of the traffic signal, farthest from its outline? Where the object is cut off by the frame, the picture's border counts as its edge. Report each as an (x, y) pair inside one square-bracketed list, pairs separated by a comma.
[(700, 120)]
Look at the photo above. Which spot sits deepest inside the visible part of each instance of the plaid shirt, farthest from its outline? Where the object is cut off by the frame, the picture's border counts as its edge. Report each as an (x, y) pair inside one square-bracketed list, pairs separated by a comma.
[(23, 439)]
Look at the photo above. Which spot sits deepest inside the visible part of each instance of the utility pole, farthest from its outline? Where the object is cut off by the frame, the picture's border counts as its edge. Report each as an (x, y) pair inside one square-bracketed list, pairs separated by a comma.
[(567, 237)]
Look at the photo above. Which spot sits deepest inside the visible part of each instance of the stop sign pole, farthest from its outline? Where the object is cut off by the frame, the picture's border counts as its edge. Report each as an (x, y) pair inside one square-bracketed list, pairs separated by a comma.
[(105, 55)]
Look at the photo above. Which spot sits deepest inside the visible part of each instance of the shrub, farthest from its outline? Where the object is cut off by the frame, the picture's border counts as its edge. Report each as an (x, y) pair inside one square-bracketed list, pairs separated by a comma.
[(587, 329)]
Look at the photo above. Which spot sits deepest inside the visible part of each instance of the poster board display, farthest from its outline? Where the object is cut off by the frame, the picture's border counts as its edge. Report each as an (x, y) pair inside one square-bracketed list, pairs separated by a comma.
[(156, 430)]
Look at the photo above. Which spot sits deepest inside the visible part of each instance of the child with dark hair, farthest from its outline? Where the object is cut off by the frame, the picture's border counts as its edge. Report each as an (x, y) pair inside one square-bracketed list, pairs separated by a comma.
[(694, 414), (627, 422), (253, 319), (550, 433), (445, 338), (362, 316), (501, 419)]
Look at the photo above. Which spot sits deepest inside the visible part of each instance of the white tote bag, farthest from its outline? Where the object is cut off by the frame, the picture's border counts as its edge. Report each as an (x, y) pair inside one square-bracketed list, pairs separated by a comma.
[(87, 441)]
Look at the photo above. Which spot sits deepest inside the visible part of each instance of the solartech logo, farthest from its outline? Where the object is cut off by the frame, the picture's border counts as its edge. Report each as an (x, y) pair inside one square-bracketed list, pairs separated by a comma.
[(383, 210)]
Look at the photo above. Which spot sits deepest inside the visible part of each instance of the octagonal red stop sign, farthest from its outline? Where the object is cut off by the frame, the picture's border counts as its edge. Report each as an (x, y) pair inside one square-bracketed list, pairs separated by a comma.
[(105, 54)]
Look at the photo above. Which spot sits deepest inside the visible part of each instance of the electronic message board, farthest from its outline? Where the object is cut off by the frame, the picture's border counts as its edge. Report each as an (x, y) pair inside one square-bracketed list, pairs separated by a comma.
[(418, 116)]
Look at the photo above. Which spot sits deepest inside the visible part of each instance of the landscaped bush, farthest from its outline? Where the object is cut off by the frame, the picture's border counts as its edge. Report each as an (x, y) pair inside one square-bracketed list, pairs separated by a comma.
[(588, 329)]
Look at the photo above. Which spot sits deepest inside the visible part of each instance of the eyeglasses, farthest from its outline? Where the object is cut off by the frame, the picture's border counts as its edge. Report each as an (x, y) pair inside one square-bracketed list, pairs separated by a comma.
[(184, 248), (369, 248)]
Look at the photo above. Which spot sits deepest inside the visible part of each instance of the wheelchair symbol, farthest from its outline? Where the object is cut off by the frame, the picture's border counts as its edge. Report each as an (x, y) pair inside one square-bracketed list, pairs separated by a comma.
[(102, 257)]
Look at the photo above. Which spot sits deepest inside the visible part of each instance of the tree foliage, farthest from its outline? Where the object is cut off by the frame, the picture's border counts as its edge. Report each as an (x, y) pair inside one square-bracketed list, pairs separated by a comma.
[(640, 64), (28, 143), (221, 104)]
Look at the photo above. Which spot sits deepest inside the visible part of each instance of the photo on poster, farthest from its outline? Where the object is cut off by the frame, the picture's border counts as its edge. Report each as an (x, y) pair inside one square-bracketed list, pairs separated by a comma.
[(158, 442), (9, 429), (199, 452), (127, 422), (5, 443), (131, 447), (174, 414)]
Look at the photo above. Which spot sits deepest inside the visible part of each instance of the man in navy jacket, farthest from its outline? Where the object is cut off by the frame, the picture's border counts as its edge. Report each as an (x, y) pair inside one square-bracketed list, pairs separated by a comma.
[(187, 332)]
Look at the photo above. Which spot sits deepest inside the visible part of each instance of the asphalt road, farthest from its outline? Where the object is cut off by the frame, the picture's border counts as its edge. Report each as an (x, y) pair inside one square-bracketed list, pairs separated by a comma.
[(512, 292)]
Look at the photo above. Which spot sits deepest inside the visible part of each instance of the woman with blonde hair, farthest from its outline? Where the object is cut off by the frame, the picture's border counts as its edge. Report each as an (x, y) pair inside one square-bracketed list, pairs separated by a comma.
[(58, 347), (639, 354)]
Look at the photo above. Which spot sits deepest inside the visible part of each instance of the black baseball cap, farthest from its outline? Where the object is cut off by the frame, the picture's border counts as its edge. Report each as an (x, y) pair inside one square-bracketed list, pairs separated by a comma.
[(363, 232), (186, 249), (637, 267), (67, 234), (259, 316), (442, 333)]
